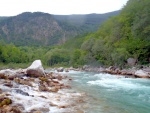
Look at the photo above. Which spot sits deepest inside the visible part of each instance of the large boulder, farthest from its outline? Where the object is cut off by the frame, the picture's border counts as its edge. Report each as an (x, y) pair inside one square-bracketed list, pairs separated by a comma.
[(131, 61), (36, 69), (142, 74)]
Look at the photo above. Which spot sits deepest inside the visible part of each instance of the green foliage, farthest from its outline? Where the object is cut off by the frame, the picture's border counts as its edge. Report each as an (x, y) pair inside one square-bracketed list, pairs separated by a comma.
[(77, 58), (57, 56), (75, 43), (88, 44), (119, 56), (10, 53), (122, 36), (119, 38)]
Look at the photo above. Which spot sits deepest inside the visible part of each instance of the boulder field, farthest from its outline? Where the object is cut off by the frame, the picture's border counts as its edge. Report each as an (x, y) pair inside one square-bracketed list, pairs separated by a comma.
[(32, 90)]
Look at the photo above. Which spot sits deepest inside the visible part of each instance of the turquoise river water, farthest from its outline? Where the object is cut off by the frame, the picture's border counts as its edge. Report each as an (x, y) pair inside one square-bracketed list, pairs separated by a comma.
[(112, 94)]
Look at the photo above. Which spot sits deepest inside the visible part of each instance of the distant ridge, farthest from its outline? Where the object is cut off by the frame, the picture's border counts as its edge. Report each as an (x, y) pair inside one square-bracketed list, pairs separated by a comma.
[(40, 28)]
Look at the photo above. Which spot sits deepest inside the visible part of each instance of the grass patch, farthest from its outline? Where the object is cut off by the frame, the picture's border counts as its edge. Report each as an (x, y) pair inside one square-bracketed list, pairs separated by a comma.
[(14, 65)]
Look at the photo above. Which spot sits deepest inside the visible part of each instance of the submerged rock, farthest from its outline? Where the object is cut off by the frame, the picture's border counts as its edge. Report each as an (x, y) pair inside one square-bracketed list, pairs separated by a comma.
[(40, 110), (8, 84), (36, 69), (21, 92)]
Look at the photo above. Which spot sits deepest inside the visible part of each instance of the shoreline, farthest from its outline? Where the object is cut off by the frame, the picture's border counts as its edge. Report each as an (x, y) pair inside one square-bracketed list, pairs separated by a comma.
[(48, 93), (131, 72), (23, 92)]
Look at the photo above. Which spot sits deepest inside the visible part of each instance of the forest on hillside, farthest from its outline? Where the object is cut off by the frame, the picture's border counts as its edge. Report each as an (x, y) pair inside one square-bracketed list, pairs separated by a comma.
[(121, 37), (43, 29), (124, 36)]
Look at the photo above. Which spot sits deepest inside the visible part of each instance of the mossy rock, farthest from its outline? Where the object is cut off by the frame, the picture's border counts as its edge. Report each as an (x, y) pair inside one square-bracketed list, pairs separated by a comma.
[(8, 101), (2, 76), (5, 101), (43, 79)]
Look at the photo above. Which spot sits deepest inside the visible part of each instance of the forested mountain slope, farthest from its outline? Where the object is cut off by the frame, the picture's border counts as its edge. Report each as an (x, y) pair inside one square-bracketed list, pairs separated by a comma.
[(30, 29), (84, 23), (119, 38), (124, 36), (44, 29)]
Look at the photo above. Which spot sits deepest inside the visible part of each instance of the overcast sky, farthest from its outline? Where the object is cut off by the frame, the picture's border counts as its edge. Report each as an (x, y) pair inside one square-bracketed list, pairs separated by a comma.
[(63, 7)]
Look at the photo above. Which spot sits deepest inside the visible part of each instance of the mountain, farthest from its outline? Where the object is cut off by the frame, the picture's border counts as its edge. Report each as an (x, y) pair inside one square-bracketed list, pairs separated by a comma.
[(2, 18), (30, 29), (45, 29), (121, 37), (86, 23)]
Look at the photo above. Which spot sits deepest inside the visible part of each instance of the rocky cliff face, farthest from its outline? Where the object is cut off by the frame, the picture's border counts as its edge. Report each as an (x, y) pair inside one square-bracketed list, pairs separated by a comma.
[(44, 29), (38, 28)]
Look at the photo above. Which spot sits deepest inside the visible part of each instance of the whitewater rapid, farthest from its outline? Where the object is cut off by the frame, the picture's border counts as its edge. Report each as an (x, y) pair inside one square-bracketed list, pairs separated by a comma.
[(90, 93), (28, 98), (113, 93)]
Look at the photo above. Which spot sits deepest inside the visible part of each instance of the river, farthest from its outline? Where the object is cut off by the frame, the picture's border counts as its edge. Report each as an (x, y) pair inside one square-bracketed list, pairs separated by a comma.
[(112, 93)]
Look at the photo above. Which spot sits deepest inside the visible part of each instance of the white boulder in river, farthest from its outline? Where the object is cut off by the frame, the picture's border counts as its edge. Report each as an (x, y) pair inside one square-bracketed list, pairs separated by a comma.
[(36, 69)]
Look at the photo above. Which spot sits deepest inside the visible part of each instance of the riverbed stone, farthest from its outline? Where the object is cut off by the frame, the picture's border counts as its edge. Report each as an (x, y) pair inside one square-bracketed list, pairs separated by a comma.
[(59, 77), (2, 76), (61, 69), (36, 69), (51, 83), (21, 92), (43, 88), (142, 74), (52, 104), (9, 84), (4, 101), (1, 91), (54, 89)]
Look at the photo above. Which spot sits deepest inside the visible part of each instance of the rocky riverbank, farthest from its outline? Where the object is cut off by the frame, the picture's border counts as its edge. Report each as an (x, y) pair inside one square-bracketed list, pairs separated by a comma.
[(33, 90), (143, 72)]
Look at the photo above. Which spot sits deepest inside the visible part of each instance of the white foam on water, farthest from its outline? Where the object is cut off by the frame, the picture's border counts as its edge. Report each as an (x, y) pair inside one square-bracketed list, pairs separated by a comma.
[(29, 102), (5, 88), (70, 72), (38, 99), (114, 84), (112, 81)]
